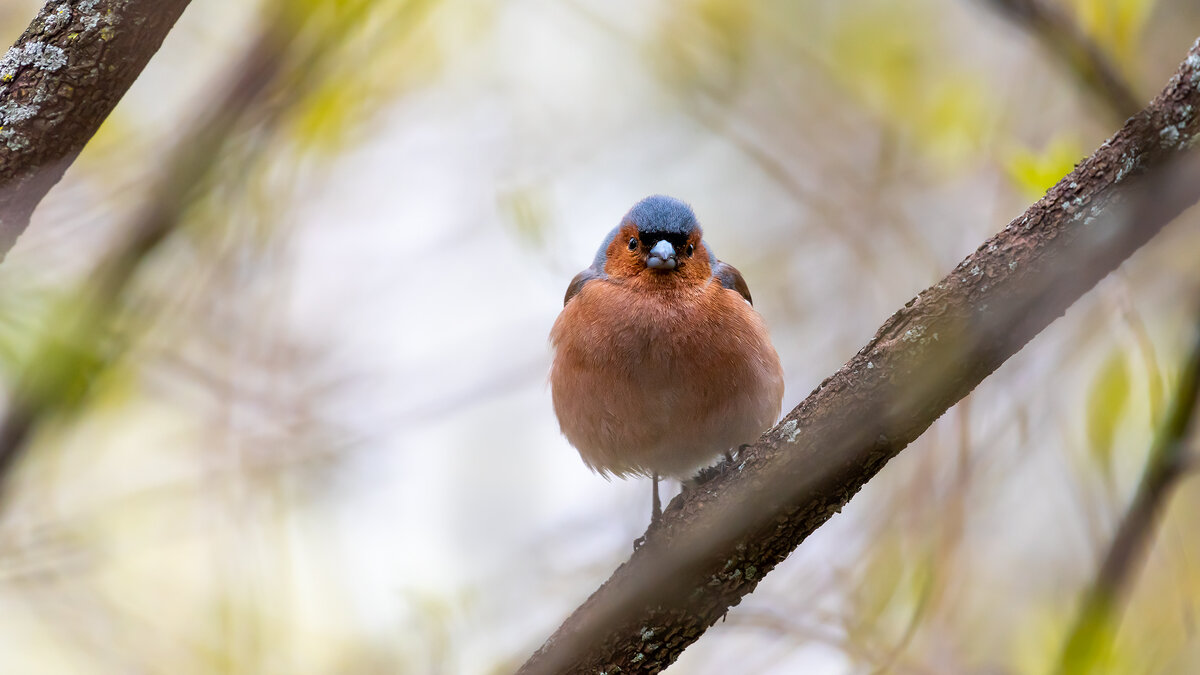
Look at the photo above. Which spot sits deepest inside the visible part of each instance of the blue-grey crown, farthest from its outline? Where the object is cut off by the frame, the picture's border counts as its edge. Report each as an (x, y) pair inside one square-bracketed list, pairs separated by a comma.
[(656, 217), (663, 216)]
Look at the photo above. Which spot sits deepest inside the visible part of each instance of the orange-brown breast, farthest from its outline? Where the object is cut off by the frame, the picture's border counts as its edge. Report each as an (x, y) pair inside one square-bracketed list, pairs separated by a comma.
[(655, 376)]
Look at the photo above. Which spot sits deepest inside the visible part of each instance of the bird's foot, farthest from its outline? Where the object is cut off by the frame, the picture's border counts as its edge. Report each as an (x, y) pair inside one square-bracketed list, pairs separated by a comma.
[(703, 476), (656, 505)]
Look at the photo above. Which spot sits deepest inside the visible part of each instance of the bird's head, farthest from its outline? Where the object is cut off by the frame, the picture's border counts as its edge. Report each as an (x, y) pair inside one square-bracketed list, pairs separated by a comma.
[(658, 239)]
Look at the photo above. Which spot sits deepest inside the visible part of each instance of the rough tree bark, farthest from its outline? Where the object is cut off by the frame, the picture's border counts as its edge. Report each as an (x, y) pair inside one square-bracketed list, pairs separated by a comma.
[(59, 82), (715, 543)]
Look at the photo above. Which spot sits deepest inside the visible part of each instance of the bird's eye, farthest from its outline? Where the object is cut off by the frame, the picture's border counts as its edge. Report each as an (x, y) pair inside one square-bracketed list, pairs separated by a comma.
[(690, 250), (633, 244)]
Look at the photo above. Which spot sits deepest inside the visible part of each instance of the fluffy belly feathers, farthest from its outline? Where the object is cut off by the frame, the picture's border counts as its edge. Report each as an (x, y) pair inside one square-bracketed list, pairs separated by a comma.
[(673, 381)]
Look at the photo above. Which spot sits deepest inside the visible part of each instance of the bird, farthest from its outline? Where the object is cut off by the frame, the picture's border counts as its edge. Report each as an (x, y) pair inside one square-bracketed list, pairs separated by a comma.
[(660, 362)]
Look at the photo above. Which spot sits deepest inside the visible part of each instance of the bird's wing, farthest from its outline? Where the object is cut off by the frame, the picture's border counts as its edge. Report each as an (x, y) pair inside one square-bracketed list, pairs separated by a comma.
[(730, 278), (596, 271), (581, 279)]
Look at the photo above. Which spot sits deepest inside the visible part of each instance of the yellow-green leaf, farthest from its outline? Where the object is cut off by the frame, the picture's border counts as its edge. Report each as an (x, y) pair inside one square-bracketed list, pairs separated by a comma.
[(1107, 401), (1116, 25), (1034, 173), (884, 56), (701, 45)]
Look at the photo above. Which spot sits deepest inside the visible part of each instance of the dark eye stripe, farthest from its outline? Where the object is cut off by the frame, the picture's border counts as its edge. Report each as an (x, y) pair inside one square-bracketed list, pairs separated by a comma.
[(677, 239)]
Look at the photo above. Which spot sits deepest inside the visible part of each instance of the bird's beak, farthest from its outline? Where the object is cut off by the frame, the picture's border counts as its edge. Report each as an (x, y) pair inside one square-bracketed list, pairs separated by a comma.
[(662, 256)]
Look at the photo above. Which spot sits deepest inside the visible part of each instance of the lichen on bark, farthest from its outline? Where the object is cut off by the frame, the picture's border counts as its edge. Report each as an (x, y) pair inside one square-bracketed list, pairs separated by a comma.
[(59, 82)]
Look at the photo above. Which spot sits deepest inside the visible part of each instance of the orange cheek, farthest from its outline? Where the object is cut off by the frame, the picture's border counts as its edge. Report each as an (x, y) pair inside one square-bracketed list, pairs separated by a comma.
[(697, 269), (619, 261), (623, 263)]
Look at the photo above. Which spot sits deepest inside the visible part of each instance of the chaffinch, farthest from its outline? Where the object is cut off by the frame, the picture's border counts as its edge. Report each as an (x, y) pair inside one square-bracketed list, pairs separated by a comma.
[(660, 361)]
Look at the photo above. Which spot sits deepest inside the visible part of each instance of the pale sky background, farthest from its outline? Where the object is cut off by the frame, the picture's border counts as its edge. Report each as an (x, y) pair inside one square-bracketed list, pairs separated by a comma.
[(454, 524)]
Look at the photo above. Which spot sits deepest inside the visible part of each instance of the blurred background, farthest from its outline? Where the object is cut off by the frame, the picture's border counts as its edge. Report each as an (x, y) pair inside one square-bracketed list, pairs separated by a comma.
[(315, 434)]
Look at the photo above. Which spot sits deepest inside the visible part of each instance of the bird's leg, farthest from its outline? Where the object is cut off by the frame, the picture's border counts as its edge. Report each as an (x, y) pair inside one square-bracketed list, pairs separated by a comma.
[(729, 457), (656, 507)]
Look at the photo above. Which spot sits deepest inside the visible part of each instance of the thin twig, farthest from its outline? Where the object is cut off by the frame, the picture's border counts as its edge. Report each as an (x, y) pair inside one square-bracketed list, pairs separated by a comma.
[(1059, 33), (1095, 625), (66, 361), (290, 55), (1145, 346)]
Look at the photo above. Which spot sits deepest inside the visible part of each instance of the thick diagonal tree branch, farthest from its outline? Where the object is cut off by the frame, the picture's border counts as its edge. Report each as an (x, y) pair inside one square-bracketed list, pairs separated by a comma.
[(715, 543), (59, 82)]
